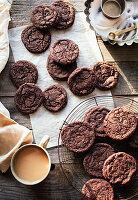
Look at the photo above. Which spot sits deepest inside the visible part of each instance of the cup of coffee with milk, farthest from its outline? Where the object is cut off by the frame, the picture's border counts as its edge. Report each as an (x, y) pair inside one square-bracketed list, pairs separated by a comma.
[(31, 163), (113, 8)]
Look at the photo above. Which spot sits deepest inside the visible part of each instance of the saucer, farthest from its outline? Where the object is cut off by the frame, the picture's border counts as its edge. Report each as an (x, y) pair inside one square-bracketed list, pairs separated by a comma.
[(103, 25)]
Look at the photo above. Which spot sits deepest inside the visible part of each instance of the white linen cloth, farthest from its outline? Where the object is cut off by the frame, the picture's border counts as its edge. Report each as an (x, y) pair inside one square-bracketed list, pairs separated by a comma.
[(45, 122), (5, 6)]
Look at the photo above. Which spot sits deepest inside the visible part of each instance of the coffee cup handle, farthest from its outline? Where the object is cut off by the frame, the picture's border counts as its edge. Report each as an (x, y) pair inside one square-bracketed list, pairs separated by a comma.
[(44, 141)]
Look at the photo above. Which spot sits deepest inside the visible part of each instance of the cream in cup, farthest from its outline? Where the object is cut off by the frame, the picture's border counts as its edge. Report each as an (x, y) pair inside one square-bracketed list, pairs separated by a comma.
[(113, 8), (31, 163)]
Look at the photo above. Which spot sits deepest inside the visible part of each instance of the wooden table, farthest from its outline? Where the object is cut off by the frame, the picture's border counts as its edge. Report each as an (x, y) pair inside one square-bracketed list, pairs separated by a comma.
[(56, 187)]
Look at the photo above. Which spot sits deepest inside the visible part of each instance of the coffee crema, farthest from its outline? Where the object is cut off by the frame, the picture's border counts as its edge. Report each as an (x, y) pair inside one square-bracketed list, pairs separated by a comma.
[(31, 164), (112, 8)]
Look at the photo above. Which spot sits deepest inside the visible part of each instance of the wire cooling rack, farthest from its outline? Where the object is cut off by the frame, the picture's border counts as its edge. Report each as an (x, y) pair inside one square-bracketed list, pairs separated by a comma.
[(71, 163)]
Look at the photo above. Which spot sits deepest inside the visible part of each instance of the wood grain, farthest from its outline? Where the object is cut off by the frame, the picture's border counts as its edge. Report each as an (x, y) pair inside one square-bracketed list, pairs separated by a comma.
[(56, 186)]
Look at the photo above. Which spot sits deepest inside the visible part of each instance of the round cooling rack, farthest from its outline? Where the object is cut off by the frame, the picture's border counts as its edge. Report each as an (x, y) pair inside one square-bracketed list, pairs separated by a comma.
[(71, 162)]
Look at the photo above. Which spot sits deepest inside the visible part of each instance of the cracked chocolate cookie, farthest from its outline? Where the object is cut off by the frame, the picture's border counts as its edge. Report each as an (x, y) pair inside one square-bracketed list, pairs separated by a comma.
[(95, 117), (119, 168), (58, 71), (28, 98), (82, 81), (97, 189), (133, 141), (22, 72), (64, 51), (78, 136), (55, 98), (44, 16), (95, 158), (106, 75), (35, 41), (120, 123), (66, 14)]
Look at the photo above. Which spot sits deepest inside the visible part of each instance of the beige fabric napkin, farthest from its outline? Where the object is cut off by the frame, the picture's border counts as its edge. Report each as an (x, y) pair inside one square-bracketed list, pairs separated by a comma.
[(12, 136)]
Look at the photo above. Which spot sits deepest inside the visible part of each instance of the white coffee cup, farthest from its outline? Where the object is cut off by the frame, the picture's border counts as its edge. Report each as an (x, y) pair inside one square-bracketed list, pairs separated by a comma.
[(18, 156)]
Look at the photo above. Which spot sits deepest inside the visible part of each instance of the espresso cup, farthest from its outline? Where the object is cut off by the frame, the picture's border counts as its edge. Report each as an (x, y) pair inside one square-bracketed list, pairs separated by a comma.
[(31, 163), (113, 8)]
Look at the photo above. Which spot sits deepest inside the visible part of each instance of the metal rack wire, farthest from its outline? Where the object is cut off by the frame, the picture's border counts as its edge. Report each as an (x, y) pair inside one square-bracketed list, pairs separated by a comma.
[(71, 163)]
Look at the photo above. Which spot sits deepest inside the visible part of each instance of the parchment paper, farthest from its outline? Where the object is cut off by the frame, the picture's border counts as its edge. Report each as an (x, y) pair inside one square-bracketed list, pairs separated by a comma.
[(45, 122)]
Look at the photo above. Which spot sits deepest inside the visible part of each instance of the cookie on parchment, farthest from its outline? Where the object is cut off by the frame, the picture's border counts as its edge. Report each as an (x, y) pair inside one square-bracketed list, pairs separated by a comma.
[(78, 136), (82, 81), (28, 98), (44, 16), (106, 75), (22, 72), (64, 51), (95, 117), (95, 158), (66, 14), (97, 189), (59, 72), (35, 41), (55, 98), (119, 168), (120, 123)]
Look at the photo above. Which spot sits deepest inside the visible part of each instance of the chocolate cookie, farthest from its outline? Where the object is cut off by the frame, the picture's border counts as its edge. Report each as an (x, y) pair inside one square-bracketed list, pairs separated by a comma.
[(28, 98), (36, 41), (119, 168), (97, 189), (44, 16), (22, 72), (55, 98), (66, 14), (78, 136), (64, 51), (106, 75), (120, 123), (58, 71), (95, 118), (95, 158), (82, 81), (133, 141)]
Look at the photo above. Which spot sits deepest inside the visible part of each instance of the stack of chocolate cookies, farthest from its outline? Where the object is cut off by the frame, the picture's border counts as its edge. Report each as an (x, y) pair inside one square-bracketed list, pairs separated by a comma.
[(59, 15), (62, 59), (101, 160)]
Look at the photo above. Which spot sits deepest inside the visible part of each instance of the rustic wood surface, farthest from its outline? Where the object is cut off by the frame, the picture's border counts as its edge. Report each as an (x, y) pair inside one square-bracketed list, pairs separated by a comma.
[(56, 187)]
